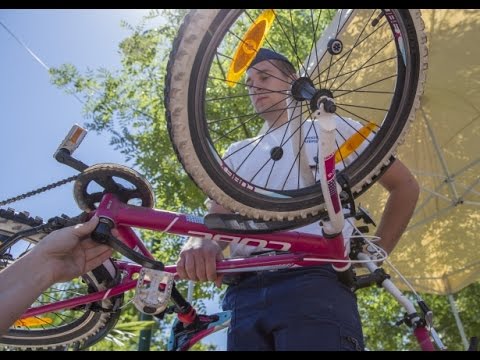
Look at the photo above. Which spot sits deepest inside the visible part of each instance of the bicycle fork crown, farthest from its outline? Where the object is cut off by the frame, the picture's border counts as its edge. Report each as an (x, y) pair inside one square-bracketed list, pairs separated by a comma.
[(154, 288)]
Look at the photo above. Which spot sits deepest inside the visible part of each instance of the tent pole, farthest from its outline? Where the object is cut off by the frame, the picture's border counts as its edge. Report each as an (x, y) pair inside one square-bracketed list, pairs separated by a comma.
[(449, 179), (458, 321)]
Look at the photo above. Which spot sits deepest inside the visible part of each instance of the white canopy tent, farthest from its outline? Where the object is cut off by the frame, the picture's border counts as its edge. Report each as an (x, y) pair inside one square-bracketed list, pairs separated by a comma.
[(439, 253)]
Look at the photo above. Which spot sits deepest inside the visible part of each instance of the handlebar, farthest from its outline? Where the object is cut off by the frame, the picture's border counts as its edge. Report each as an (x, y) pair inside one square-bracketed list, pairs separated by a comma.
[(421, 325)]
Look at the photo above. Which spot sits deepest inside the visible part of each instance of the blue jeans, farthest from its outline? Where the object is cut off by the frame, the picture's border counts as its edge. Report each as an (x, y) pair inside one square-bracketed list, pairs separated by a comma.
[(294, 309)]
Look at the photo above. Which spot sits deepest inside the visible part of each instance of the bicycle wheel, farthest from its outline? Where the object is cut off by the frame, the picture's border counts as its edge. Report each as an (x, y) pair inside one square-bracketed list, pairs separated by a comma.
[(371, 62), (75, 328)]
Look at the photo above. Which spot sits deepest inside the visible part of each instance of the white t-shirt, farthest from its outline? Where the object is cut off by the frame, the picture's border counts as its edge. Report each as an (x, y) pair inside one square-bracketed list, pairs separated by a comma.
[(251, 159)]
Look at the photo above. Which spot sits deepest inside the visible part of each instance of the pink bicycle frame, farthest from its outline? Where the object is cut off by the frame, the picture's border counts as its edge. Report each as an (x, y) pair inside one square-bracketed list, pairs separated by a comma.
[(306, 249)]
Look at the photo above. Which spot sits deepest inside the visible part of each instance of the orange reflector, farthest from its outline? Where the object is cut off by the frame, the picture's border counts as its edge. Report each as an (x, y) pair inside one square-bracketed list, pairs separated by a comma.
[(33, 321), (248, 47), (354, 142)]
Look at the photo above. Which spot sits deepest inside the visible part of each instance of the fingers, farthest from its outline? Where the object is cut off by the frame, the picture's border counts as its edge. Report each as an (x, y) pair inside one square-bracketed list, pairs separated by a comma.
[(96, 257), (93, 249), (194, 264), (181, 272), (211, 269), (193, 268), (84, 229), (198, 265), (212, 274)]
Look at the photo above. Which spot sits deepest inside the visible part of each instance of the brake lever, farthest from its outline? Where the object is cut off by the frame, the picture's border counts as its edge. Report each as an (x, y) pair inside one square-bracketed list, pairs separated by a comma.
[(363, 214)]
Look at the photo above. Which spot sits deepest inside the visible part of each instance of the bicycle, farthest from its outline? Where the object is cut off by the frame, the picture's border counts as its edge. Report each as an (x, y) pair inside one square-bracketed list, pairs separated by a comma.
[(96, 313), (191, 77)]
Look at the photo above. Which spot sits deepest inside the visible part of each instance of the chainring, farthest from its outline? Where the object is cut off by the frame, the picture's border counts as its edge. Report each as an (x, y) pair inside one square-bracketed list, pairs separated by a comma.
[(103, 174)]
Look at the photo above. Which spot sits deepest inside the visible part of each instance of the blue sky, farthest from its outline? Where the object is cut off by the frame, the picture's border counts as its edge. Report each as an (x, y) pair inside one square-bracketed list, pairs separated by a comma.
[(35, 116)]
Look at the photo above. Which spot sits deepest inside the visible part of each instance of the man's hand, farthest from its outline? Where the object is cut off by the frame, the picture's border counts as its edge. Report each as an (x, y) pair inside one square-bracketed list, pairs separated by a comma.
[(60, 256), (198, 259), (70, 252)]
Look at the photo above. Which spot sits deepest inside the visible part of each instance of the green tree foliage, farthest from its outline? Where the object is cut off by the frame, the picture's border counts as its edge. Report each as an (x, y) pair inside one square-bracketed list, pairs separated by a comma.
[(380, 313)]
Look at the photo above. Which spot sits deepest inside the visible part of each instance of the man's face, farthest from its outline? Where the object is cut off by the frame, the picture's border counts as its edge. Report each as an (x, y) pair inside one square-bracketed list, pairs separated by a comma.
[(267, 86)]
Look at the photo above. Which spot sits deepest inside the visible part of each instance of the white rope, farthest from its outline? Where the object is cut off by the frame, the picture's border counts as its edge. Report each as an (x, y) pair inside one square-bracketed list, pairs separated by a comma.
[(25, 47), (37, 58)]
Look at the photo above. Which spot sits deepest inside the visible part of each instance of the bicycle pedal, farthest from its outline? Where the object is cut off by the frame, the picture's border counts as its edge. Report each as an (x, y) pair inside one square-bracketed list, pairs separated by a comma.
[(153, 291)]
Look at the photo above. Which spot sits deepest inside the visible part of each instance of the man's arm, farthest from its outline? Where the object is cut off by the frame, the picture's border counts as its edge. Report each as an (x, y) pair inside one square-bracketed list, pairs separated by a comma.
[(403, 191)]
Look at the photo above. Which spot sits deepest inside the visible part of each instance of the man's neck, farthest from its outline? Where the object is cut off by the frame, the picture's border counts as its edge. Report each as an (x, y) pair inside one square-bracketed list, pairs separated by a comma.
[(275, 122)]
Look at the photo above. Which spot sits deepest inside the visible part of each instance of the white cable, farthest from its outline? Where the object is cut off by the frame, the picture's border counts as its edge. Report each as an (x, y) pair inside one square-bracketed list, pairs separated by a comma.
[(33, 54), (25, 46), (380, 250), (404, 279)]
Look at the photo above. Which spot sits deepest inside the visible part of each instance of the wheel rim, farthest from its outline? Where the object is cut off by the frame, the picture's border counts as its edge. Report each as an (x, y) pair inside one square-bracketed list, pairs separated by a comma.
[(349, 77)]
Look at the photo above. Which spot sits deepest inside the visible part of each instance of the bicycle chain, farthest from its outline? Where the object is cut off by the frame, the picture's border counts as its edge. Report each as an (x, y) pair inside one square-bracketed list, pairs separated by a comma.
[(39, 190)]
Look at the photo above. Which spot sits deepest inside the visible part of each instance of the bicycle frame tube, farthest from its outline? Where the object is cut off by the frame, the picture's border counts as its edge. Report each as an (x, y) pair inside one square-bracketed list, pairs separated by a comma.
[(328, 179), (81, 300), (125, 216), (320, 250)]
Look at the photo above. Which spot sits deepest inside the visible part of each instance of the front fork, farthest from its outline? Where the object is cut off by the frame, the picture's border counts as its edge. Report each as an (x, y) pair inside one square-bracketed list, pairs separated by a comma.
[(328, 178), (323, 110)]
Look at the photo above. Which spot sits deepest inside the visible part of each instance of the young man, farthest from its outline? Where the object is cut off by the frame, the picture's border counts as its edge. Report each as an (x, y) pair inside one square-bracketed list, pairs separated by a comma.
[(60, 256), (301, 308)]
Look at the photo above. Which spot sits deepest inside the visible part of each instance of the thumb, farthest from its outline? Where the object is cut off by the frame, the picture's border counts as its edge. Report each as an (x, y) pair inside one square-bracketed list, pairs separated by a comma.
[(84, 229)]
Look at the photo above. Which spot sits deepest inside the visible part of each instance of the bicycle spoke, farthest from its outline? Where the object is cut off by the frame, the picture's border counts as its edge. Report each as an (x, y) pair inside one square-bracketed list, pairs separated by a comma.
[(351, 52)]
